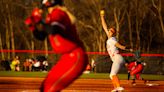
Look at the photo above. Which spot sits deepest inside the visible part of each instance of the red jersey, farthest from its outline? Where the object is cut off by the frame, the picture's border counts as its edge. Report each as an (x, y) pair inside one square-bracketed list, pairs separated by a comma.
[(131, 66), (62, 18)]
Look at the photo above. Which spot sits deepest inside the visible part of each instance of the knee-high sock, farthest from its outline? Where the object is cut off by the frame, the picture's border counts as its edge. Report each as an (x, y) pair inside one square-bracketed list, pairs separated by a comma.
[(116, 81)]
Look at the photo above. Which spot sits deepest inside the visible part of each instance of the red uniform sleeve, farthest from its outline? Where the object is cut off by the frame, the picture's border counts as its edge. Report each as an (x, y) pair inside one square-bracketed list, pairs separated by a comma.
[(57, 17)]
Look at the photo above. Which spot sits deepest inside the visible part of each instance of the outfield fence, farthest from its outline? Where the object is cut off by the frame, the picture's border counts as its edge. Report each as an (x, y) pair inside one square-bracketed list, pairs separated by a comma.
[(154, 62)]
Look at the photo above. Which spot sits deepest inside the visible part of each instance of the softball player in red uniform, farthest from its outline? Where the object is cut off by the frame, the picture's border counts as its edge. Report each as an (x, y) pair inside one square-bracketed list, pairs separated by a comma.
[(59, 26), (112, 48), (135, 69)]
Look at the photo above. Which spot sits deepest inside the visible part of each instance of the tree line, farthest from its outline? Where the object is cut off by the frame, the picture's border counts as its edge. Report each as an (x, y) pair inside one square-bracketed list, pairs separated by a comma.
[(139, 24)]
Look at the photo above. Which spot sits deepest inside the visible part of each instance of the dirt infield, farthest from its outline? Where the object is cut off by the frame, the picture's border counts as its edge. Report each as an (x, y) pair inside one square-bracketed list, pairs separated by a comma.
[(19, 84)]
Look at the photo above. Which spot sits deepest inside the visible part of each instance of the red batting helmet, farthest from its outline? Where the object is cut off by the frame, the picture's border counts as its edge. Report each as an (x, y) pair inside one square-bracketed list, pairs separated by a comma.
[(50, 3)]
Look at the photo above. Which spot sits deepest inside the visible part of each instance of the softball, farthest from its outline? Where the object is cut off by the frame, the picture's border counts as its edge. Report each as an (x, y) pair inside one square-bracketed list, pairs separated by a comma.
[(102, 12)]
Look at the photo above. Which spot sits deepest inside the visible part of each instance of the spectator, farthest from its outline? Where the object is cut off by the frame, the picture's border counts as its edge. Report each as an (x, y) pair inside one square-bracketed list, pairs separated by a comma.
[(31, 61), (36, 65), (6, 65), (26, 65), (15, 64), (45, 65), (88, 69), (93, 65)]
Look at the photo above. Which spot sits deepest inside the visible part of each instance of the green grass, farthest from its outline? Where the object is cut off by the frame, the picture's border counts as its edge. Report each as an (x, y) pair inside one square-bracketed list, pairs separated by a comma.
[(121, 76), (22, 74), (89, 76)]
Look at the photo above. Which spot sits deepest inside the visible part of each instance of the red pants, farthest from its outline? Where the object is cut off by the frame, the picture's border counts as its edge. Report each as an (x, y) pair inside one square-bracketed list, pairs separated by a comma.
[(135, 69), (69, 67)]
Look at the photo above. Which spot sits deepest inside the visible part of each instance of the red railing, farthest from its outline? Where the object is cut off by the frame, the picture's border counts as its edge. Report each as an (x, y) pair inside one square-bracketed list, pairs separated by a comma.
[(90, 53)]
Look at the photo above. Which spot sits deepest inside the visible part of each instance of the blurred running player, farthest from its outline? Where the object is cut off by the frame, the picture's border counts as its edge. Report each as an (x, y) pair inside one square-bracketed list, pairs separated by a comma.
[(59, 27)]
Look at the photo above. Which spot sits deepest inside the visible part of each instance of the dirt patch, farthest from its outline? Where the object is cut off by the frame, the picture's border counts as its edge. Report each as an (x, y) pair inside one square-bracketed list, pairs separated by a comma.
[(20, 84)]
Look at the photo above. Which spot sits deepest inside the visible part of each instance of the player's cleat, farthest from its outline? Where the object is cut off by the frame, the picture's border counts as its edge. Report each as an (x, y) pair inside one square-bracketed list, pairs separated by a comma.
[(133, 83), (146, 81), (114, 90), (118, 89)]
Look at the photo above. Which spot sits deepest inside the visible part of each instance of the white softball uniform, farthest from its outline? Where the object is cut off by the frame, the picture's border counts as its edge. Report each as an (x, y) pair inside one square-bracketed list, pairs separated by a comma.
[(116, 58)]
